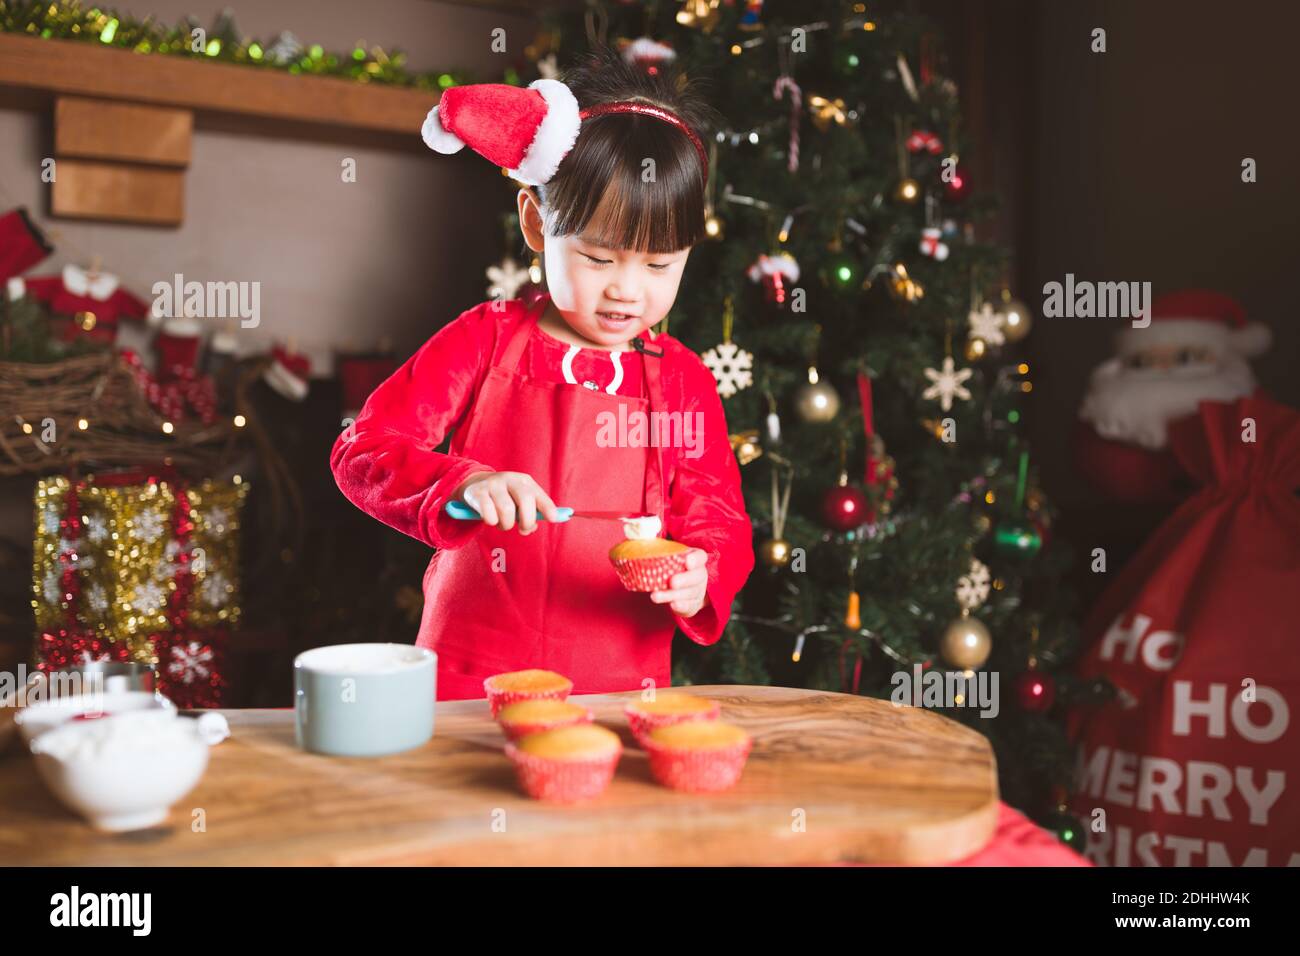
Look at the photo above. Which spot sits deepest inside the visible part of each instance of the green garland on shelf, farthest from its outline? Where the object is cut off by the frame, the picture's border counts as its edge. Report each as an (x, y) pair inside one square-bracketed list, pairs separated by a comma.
[(221, 43)]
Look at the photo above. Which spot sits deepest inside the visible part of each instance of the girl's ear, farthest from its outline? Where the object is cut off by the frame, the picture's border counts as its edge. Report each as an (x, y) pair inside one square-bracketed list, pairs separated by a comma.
[(530, 219)]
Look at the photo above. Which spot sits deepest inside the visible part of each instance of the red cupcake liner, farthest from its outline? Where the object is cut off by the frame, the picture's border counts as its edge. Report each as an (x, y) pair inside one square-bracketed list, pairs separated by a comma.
[(697, 771), (649, 574), (563, 781), (515, 731), (642, 723), (500, 698)]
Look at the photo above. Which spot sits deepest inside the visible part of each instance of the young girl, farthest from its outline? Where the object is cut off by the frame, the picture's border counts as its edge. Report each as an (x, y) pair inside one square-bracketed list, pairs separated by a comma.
[(528, 389)]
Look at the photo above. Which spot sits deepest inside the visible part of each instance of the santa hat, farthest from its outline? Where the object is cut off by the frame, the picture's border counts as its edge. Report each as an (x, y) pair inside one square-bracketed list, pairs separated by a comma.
[(1198, 317), (288, 373), (782, 264), (528, 131), (647, 53), (22, 245)]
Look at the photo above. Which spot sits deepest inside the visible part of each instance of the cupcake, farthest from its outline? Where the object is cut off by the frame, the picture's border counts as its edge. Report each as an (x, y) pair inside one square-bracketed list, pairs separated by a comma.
[(531, 716), (697, 755), (566, 764), (645, 561), (668, 708), (503, 689)]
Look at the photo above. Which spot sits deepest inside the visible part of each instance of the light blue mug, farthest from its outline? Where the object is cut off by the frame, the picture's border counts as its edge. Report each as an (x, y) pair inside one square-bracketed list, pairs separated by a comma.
[(364, 700)]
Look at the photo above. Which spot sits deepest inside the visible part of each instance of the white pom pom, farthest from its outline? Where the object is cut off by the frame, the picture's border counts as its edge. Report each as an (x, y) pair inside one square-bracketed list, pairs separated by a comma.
[(1252, 340), (437, 138)]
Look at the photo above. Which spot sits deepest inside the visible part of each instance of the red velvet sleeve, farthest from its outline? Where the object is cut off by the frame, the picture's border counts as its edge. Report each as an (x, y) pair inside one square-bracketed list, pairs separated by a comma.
[(128, 304), (41, 288), (706, 507), (385, 462)]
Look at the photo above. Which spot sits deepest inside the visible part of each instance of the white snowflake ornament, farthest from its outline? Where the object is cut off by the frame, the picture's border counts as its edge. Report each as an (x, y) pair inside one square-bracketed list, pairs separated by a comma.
[(973, 587), (987, 325), (947, 384), (549, 67), (506, 279), (148, 598), (148, 527), (96, 528), (97, 598), (732, 367), (215, 589), (190, 663)]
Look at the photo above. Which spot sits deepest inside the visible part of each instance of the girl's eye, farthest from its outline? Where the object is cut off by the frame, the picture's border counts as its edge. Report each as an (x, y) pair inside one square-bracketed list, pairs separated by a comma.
[(599, 262), (660, 267)]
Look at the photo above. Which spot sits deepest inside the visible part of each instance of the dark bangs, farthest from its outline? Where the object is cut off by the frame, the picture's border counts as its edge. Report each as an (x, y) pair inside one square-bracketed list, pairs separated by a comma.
[(603, 190)]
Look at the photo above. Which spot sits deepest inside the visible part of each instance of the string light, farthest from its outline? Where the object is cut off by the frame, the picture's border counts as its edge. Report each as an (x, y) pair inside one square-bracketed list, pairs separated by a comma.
[(240, 421)]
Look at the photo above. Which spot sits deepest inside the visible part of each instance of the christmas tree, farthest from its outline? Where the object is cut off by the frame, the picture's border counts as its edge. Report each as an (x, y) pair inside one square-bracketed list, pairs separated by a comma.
[(865, 345)]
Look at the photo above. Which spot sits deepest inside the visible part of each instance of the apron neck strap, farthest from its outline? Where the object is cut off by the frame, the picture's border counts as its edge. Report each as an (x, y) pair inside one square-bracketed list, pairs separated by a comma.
[(656, 490), (514, 349)]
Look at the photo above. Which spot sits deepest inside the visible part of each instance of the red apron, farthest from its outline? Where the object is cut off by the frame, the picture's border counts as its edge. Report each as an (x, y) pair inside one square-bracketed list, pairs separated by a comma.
[(505, 602)]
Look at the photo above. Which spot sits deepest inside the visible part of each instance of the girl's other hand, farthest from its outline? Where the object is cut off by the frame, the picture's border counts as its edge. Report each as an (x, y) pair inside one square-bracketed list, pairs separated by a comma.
[(688, 588), (507, 498)]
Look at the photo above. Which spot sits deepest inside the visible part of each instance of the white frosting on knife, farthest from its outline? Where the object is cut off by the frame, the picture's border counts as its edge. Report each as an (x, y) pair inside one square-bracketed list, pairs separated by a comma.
[(642, 527)]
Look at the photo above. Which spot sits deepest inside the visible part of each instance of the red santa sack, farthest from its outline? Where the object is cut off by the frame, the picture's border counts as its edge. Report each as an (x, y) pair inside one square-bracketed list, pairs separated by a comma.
[(1195, 763)]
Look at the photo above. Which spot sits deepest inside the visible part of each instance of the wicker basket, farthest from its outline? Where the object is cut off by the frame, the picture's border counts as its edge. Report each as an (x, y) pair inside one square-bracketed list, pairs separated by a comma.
[(123, 429)]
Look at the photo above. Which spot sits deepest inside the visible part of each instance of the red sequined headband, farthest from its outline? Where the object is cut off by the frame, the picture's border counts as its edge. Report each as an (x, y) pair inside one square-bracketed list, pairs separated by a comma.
[(658, 112)]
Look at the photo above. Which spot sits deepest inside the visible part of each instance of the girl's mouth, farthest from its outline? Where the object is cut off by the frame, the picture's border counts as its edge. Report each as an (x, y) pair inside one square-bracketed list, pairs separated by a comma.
[(615, 320)]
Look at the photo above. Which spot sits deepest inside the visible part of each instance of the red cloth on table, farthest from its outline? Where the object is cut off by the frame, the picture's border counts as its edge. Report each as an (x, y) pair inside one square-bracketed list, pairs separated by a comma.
[(1017, 841)]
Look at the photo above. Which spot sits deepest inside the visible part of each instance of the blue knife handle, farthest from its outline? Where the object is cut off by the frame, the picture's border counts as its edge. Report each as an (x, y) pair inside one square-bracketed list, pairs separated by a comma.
[(463, 512)]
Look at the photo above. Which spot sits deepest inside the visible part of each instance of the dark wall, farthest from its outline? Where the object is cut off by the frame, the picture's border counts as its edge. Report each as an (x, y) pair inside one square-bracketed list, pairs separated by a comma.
[(1133, 172)]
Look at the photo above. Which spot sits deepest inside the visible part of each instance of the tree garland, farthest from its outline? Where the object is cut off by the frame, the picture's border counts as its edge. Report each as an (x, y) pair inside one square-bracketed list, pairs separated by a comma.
[(221, 43)]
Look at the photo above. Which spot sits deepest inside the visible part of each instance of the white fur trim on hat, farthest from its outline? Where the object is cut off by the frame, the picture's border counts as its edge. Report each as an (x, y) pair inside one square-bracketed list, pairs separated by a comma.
[(1213, 335), (1251, 340), (438, 138), (285, 382), (782, 263), (556, 134), (17, 288)]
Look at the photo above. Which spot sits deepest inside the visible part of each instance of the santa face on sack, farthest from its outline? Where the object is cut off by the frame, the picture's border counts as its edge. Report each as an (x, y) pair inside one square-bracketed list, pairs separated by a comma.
[(1196, 352)]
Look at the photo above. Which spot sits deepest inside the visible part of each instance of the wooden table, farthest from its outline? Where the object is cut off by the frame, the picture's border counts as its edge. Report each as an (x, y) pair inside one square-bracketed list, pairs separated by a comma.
[(832, 777)]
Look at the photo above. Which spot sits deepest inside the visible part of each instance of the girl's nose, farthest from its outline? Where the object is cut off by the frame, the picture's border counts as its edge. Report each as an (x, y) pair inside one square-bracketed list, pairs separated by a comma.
[(621, 292)]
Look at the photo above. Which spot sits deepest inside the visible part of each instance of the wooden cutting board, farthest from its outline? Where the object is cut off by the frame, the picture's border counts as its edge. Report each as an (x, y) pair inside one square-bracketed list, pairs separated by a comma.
[(831, 777)]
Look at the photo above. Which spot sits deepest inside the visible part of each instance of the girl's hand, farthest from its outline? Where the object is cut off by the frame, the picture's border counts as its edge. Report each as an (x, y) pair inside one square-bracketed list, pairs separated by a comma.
[(686, 588), (506, 497)]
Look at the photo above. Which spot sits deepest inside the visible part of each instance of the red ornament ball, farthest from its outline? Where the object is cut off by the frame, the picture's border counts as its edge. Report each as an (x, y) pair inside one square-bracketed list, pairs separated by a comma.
[(1035, 692), (957, 188), (844, 508)]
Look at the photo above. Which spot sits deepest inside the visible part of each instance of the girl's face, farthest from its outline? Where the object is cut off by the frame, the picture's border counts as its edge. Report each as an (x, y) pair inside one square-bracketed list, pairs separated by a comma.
[(607, 296)]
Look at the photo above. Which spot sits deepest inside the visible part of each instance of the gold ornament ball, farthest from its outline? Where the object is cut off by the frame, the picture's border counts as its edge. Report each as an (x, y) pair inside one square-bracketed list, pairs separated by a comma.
[(975, 348), (775, 552), (966, 643), (1016, 320), (908, 190), (817, 403)]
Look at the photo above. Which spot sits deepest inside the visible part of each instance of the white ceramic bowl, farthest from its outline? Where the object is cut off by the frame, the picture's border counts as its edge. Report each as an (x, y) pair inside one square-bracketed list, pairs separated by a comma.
[(34, 719), (123, 772)]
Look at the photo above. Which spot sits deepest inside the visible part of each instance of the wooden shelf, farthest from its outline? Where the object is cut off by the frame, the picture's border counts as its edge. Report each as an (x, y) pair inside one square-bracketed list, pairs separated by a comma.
[(223, 94)]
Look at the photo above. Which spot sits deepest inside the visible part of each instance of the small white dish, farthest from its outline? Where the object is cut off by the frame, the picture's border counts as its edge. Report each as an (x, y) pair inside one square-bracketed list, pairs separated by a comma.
[(36, 718), (124, 772)]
